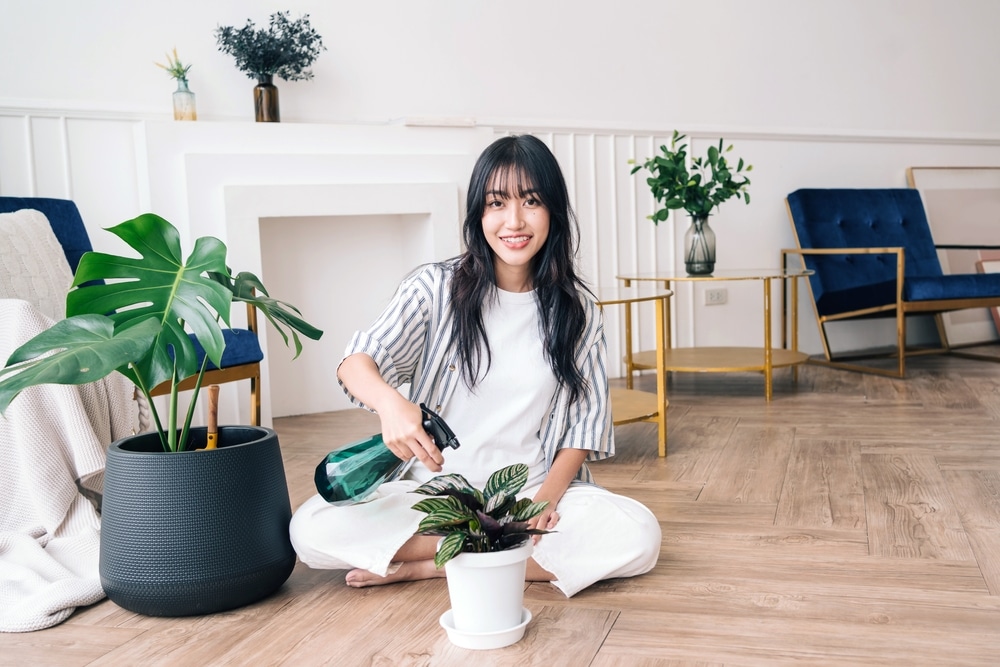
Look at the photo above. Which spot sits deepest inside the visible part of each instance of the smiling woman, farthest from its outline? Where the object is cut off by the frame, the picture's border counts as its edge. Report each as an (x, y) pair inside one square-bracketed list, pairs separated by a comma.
[(507, 344)]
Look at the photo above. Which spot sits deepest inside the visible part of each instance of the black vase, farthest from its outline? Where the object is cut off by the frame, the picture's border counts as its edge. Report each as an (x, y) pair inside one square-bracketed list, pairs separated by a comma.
[(195, 532), (265, 101)]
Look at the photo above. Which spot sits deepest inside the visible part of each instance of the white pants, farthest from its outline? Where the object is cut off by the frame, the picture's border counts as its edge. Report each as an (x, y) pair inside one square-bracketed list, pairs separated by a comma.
[(600, 535)]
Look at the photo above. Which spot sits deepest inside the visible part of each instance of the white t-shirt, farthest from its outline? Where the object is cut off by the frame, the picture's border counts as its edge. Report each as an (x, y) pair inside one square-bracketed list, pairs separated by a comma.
[(498, 422)]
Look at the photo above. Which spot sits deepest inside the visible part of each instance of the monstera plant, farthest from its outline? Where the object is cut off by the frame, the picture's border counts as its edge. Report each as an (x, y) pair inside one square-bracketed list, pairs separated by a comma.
[(137, 315)]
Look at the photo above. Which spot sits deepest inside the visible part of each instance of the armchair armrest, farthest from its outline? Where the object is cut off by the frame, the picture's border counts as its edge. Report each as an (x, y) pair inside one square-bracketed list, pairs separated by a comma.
[(963, 246)]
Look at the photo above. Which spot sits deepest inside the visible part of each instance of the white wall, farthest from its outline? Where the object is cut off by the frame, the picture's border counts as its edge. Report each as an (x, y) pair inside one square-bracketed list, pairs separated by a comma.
[(841, 94), (915, 66)]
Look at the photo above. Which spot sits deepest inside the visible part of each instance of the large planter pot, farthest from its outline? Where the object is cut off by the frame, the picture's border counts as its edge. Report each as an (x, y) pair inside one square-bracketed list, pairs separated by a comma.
[(195, 532), (487, 597)]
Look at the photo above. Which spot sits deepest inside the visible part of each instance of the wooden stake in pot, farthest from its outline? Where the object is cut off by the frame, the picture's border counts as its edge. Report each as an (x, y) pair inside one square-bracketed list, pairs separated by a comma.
[(213, 416)]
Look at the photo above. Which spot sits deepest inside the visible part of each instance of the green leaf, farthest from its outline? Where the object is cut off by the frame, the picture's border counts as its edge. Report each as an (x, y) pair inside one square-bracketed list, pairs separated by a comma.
[(713, 155), (437, 504), (509, 480), (440, 485), (450, 547), (89, 350), (248, 288), (162, 285), (499, 504), (442, 519), (524, 511)]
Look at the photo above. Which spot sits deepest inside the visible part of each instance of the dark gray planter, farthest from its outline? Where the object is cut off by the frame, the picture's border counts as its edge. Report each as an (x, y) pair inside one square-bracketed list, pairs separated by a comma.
[(195, 532)]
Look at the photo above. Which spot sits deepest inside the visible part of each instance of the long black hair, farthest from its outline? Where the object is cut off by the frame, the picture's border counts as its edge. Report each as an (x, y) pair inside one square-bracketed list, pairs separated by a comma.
[(523, 164)]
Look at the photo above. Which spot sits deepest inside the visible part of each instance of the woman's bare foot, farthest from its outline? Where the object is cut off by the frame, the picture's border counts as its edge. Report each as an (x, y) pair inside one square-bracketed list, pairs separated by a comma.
[(407, 571)]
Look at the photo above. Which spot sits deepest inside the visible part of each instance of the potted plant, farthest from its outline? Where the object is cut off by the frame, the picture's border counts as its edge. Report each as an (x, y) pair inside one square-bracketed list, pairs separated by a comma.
[(697, 188), (485, 545), (285, 49), (183, 531), (184, 102)]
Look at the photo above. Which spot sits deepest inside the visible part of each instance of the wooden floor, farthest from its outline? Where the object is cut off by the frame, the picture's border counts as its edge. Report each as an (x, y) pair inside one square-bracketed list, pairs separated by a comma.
[(854, 520)]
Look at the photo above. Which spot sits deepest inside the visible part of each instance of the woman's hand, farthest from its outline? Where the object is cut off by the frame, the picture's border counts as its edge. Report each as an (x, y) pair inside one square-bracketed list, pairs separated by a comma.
[(564, 468), (402, 422), (403, 433), (547, 520)]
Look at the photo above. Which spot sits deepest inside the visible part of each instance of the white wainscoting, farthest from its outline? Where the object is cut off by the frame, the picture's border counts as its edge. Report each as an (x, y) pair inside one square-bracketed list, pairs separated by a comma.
[(115, 167)]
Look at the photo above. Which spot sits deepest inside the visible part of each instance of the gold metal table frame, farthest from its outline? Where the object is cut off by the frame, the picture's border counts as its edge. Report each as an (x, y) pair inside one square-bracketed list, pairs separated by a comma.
[(729, 359), (629, 405)]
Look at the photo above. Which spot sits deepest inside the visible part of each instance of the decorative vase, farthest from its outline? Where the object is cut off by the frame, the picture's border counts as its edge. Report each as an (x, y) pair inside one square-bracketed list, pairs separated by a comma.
[(265, 101), (699, 247), (195, 532), (184, 106), (487, 589)]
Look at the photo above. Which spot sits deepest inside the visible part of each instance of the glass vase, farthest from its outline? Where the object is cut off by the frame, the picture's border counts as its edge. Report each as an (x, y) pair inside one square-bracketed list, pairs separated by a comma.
[(184, 105), (699, 247), (265, 101)]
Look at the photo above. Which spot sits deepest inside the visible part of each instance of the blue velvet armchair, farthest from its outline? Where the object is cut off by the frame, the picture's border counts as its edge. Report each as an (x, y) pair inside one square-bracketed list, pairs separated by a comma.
[(242, 356), (873, 256)]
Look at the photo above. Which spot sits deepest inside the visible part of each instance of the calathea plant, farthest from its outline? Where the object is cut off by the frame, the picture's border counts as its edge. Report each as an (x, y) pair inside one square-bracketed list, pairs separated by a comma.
[(477, 521), (135, 320)]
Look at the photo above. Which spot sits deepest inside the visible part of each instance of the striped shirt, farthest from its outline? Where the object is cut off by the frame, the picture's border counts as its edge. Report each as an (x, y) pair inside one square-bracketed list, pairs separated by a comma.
[(409, 344)]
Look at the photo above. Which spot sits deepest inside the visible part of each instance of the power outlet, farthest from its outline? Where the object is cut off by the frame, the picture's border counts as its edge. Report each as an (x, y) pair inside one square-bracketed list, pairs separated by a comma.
[(716, 297)]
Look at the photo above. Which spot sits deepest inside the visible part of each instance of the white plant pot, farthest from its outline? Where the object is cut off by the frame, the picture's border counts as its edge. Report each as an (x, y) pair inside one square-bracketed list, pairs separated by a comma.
[(487, 589)]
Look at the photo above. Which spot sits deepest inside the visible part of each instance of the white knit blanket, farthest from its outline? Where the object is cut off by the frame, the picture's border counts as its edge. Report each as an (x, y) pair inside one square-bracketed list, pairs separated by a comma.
[(53, 440)]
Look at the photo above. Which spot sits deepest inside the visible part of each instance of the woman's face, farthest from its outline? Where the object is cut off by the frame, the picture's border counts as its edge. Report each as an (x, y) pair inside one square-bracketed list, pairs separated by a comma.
[(516, 225)]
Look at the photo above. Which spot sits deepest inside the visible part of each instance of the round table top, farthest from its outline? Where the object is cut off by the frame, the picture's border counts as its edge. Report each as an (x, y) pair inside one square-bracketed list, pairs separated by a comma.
[(722, 274), (638, 291)]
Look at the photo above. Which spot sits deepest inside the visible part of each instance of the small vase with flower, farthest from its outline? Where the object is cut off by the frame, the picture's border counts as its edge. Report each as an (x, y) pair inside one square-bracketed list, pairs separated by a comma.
[(184, 101)]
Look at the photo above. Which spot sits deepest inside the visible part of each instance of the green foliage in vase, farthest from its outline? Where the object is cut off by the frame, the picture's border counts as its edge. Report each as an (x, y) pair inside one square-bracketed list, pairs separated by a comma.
[(132, 315), (477, 521), (697, 189), (285, 48), (174, 67)]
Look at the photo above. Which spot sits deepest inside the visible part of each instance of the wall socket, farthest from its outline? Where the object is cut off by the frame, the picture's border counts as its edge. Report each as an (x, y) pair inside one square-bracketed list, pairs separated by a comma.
[(716, 297)]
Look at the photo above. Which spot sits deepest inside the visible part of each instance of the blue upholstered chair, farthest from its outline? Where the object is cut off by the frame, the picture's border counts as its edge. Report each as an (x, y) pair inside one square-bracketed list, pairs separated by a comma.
[(242, 356), (873, 256)]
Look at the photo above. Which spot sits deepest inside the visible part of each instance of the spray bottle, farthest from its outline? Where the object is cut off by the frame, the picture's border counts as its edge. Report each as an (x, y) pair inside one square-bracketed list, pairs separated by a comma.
[(352, 473)]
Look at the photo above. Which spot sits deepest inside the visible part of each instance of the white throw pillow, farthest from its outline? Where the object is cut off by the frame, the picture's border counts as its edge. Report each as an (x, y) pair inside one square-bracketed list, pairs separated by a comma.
[(33, 266)]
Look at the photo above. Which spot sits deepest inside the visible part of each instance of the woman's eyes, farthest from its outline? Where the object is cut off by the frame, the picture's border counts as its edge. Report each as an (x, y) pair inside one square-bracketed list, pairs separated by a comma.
[(498, 203)]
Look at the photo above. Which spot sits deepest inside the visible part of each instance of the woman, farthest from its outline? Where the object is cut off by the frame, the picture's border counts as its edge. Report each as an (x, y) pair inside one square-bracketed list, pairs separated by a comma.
[(508, 347)]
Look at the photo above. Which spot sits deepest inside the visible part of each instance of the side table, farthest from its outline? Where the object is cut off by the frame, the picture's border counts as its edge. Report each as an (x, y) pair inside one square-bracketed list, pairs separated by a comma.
[(630, 405), (728, 359)]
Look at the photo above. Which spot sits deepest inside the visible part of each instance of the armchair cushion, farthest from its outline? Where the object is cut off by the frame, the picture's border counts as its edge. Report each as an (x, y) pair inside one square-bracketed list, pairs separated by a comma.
[(242, 347)]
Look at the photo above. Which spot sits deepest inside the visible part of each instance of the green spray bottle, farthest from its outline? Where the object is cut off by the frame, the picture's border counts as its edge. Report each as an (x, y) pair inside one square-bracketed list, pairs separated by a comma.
[(350, 474)]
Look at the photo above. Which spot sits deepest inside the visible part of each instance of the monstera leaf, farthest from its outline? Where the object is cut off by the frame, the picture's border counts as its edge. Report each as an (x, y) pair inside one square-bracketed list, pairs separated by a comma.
[(136, 315), (162, 285), (86, 350), (247, 288)]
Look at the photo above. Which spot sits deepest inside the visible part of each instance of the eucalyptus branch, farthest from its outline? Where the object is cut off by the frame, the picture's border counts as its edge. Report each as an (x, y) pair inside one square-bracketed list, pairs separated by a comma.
[(285, 49)]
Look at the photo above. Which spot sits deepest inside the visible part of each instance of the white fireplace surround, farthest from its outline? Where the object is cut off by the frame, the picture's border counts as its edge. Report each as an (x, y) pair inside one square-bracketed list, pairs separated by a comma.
[(337, 301), (344, 214)]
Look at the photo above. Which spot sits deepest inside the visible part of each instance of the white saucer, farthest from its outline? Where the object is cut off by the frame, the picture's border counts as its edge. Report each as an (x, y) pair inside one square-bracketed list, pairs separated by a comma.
[(484, 640)]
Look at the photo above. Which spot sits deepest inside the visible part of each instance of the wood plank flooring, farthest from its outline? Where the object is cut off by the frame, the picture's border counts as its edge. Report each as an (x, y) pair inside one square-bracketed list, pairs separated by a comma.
[(854, 520)]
